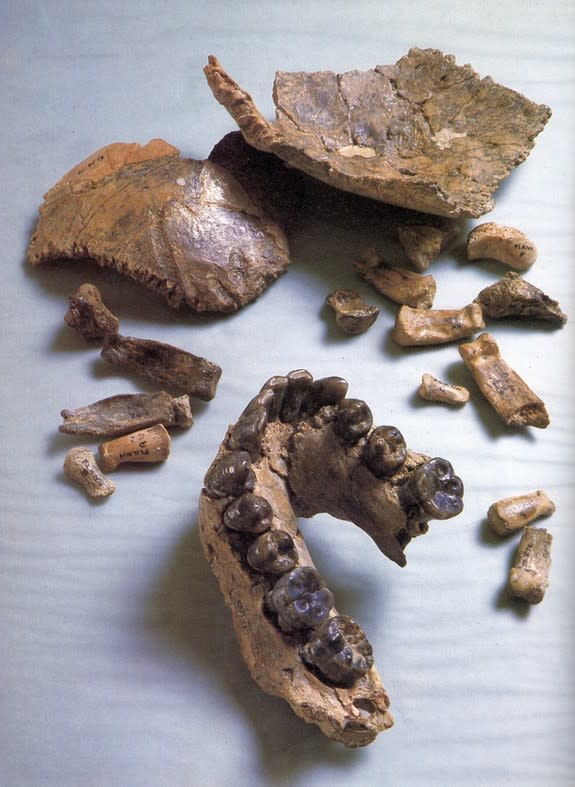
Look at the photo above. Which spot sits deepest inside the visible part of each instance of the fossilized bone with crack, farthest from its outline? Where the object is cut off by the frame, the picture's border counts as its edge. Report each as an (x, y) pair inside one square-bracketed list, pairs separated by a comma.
[(299, 448)]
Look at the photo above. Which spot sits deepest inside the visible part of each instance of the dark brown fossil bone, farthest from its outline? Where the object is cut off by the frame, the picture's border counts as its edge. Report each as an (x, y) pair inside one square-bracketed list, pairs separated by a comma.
[(184, 228), (424, 133), (88, 315)]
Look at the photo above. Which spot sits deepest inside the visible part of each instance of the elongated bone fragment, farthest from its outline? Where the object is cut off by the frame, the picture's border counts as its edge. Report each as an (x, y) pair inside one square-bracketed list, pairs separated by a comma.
[(423, 243), (398, 284), (529, 574), (513, 513), (509, 395), (352, 314), (80, 466), (165, 364), (436, 326), (145, 446), (512, 296), (434, 390), (88, 315), (304, 447), (509, 245), (124, 413)]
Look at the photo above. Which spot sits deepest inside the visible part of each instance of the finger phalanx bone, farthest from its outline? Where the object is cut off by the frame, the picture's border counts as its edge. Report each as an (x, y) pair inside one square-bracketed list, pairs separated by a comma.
[(529, 574), (124, 413), (511, 514), (512, 296), (88, 315), (509, 395), (398, 284), (423, 243), (436, 326), (508, 245), (80, 466), (144, 446), (169, 366), (434, 390), (352, 314)]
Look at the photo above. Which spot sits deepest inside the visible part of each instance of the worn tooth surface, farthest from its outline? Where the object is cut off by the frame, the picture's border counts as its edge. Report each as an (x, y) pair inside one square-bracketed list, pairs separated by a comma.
[(300, 599), (273, 552), (340, 650), (230, 475), (248, 432), (249, 513), (299, 383), (354, 420), (435, 489), (385, 450)]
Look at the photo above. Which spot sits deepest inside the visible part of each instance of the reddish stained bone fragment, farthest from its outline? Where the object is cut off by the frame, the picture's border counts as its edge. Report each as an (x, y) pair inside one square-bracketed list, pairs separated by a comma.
[(184, 228)]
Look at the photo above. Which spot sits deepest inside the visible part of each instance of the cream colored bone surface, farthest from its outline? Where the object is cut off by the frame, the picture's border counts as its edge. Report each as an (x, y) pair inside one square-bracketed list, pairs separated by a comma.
[(514, 513), (505, 244), (80, 466)]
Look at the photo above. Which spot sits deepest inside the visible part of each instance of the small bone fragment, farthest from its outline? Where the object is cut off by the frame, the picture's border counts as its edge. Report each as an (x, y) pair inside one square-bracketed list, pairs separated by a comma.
[(145, 446), (435, 390), (88, 315), (164, 364), (529, 575), (436, 326), (397, 284), (511, 398), (512, 296), (509, 245), (423, 243), (124, 413), (514, 513), (352, 314), (80, 467)]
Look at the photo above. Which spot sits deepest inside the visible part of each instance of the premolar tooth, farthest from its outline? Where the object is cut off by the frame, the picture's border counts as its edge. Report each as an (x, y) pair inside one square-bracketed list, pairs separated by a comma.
[(273, 552), (249, 513), (230, 475), (353, 420), (385, 450)]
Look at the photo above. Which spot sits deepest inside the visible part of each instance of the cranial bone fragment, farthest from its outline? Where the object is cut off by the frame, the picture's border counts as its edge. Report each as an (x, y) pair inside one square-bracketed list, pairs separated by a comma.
[(397, 284), (123, 413), (509, 395), (184, 228), (436, 326), (352, 314), (514, 513), (146, 446), (529, 574), (88, 315), (505, 244), (434, 390), (424, 133), (512, 296), (301, 447)]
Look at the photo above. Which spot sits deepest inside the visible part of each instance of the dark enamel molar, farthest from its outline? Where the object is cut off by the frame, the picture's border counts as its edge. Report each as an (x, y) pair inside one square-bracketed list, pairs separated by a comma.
[(435, 489), (339, 650), (273, 552), (385, 451), (230, 475), (353, 420), (249, 513), (300, 599)]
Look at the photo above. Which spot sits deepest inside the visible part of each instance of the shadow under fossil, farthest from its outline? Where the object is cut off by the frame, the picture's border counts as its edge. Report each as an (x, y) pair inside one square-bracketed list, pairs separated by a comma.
[(186, 610)]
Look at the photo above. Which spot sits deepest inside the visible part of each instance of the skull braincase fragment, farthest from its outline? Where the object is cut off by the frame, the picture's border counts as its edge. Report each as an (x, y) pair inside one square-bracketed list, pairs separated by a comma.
[(182, 227), (424, 133)]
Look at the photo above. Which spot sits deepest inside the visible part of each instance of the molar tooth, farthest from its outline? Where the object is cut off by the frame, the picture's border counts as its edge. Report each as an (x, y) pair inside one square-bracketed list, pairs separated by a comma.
[(273, 552), (299, 383), (354, 420), (435, 489), (230, 475), (300, 599), (340, 650), (385, 450), (249, 513)]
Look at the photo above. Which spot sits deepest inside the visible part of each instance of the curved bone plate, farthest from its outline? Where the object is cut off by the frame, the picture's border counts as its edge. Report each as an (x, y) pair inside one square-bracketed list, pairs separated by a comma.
[(184, 228), (424, 133), (305, 448)]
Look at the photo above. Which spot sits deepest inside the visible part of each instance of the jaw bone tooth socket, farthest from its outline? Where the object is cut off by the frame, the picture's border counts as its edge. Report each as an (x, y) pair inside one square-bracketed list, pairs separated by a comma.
[(80, 467), (385, 450), (230, 476), (513, 513), (353, 420), (399, 285), (434, 390), (88, 315), (508, 245), (435, 489), (273, 552), (249, 513), (145, 446), (529, 574), (511, 398), (300, 599), (352, 314), (339, 650), (414, 327)]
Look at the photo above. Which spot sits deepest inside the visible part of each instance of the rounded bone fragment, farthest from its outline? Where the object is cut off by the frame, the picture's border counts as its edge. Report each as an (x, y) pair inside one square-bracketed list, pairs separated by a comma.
[(529, 574), (184, 228), (300, 599), (352, 314), (434, 390), (509, 245), (340, 650), (88, 315), (513, 513), (145, 446), (274, 552), (414, 327), (398, 284), (80, 466), (249, 513), (512, 296), (423, 243), (423, 133)]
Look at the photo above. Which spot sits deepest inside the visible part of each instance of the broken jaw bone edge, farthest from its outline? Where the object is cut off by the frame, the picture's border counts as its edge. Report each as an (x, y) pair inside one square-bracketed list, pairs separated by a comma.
[(318, 452)]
